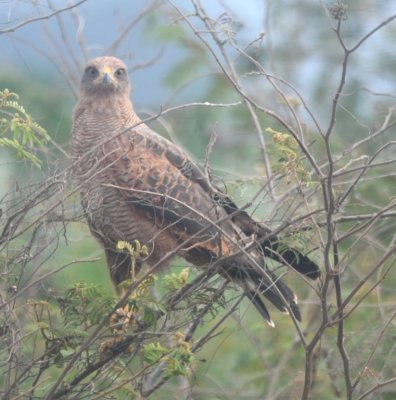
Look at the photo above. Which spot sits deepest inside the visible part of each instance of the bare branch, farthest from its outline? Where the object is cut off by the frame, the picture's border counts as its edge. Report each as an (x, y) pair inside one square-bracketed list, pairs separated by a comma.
[(43, 17)]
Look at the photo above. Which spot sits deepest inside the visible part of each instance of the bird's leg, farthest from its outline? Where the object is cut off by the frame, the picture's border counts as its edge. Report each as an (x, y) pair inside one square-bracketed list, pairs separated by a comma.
[(120, 266)]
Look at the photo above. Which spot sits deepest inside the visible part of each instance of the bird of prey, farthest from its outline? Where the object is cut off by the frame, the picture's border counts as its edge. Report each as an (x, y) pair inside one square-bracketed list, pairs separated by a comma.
[(137, 185)]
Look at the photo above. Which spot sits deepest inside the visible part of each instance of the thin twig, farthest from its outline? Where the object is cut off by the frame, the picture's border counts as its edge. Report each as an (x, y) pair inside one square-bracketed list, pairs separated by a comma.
[(41, 18)]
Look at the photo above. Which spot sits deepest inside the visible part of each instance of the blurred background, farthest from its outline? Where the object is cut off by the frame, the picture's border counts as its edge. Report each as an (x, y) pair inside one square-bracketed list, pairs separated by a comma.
[(41, 59)]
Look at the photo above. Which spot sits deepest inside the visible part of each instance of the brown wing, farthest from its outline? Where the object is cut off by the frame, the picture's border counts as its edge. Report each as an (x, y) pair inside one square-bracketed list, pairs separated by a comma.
[(138, 186), (270, 244), (157, 179), (161, 180)]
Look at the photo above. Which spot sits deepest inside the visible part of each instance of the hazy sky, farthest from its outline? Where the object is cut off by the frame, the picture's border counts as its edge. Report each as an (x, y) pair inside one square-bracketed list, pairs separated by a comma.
[(100, 22), (25, 48)]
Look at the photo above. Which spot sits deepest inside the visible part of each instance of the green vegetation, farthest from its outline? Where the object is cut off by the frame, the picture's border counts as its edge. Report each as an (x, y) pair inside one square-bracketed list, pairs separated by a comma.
[(316, 167), (25, 134)]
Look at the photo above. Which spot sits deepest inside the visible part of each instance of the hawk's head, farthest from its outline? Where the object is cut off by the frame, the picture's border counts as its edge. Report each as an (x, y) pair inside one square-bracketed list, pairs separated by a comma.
[(105, 75)]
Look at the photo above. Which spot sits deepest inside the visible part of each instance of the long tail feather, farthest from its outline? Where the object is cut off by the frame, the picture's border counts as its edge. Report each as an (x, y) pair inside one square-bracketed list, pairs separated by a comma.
[(269, 243), (254, 297), (273, 296), (268, 285), (292, 257)]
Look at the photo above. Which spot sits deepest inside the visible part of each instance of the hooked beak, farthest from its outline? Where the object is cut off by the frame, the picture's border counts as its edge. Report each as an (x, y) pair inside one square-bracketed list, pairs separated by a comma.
[(107, 75)]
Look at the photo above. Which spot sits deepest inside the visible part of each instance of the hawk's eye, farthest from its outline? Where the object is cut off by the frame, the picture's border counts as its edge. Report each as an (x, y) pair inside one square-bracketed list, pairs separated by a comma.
[(91, 71), (120, 72)]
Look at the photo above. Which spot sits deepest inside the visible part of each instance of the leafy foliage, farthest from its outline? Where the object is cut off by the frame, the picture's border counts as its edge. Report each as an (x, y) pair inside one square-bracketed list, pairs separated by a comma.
[(178, 357), (64, 323), (175, 281), (84, 342), (26, 134)]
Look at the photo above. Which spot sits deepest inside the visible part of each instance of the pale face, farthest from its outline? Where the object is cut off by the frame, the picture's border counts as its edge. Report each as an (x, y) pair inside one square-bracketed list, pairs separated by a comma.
[(105, 76)]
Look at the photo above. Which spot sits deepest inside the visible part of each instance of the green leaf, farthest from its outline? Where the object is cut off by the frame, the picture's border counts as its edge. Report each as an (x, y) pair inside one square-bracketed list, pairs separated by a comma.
[(153, 352), (17, 123)]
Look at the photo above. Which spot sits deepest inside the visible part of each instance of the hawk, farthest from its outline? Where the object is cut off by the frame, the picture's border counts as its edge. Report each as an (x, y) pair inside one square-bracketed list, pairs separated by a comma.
[(137, 185)]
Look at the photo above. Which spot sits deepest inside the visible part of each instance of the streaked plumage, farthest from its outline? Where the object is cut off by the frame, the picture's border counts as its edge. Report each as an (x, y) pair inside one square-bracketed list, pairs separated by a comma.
[(136, 185)]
